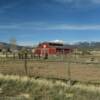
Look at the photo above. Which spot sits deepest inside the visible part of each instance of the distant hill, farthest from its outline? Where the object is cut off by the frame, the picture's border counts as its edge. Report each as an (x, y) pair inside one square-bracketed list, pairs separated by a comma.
[(88, 45), (79, 45), (7, 45), (85, 45)]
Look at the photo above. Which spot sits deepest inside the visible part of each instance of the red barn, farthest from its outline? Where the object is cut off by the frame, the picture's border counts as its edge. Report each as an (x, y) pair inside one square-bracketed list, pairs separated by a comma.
[(52, 48)]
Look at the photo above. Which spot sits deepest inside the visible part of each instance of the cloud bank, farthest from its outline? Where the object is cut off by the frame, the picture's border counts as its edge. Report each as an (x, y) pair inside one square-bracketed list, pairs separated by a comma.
[(47, 26), (77, 3)]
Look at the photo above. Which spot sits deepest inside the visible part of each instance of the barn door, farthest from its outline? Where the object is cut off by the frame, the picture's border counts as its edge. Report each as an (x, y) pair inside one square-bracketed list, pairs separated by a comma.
[(44, 51)]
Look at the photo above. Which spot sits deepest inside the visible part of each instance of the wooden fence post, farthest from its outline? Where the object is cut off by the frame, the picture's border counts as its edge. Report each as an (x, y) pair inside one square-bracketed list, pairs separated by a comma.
[(25, 63), (69, 73)]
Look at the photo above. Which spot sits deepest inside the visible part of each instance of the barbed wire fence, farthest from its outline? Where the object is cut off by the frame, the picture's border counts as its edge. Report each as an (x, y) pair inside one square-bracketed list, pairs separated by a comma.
[(30, 66)]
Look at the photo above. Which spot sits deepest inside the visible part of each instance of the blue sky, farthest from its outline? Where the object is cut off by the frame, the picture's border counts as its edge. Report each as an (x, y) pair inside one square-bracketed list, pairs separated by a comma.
[(34, 21)]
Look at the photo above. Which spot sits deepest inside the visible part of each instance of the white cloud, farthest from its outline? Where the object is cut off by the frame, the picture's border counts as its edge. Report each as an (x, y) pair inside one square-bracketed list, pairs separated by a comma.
[(64, 1), (24, 25), (73, 27), (96, 1), (8, 27), (57, 41), (10, 5), (26, 43), (48, 26), (79, 3)]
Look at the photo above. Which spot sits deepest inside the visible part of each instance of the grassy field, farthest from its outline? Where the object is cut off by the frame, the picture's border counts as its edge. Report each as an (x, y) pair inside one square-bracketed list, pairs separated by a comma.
[(43, 82), (52, 69), (24, 88)]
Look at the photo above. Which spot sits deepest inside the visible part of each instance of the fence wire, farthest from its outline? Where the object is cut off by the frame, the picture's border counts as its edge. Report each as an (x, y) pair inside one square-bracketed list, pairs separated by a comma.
[(55, 69)]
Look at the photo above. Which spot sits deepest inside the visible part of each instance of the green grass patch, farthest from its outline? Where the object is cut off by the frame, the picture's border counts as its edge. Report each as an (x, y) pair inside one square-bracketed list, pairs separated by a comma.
[(24, 88)]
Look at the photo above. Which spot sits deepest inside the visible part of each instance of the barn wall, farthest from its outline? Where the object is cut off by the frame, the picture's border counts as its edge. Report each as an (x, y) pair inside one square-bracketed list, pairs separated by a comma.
[(41, 50)]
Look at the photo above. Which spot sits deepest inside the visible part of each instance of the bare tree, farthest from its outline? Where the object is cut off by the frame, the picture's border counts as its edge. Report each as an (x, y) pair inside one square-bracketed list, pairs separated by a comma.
[(1, 47), (13, 46), (13, 43)]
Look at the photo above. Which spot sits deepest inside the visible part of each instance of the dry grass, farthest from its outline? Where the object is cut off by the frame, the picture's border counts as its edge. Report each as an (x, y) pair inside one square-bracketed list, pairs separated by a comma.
[(41, 89), (80, 72)]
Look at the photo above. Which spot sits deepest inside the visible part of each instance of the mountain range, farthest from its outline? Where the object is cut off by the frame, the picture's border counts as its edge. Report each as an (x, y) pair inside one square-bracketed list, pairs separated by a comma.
[(79, 45)]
